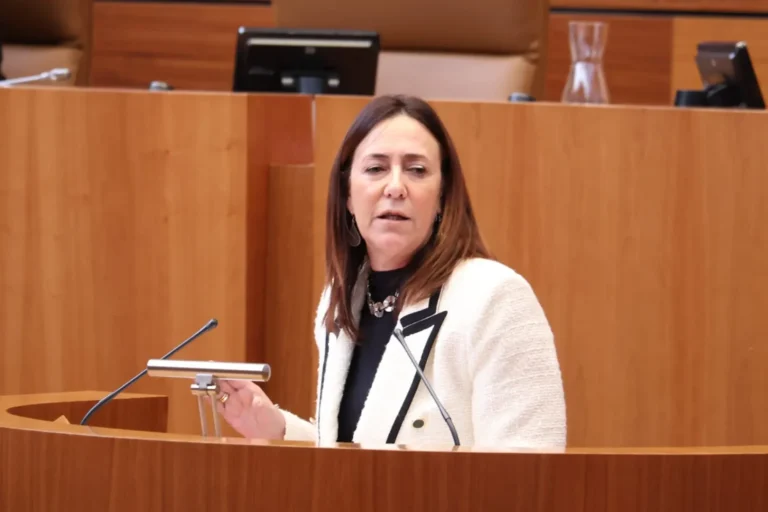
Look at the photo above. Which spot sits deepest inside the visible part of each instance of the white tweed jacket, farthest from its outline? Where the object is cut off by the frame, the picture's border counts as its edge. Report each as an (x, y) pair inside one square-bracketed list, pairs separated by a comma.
[(485, 345)]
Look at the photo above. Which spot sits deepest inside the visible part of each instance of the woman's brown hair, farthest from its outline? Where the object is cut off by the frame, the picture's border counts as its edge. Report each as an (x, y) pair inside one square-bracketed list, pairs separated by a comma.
[(455, 237)]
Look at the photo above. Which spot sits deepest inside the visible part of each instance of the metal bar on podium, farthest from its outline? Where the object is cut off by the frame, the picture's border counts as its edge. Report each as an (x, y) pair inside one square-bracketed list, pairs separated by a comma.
[(205, 376)]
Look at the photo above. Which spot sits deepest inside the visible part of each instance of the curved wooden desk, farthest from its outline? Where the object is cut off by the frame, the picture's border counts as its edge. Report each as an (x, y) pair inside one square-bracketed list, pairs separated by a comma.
[(47, 465)]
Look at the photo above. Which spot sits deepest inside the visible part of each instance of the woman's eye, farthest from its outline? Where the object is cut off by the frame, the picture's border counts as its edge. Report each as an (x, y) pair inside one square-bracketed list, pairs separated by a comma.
[(418, 170), (374, 169)]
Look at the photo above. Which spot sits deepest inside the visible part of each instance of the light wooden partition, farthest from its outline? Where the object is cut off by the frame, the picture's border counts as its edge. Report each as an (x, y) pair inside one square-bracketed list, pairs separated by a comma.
[(643, 232), (127, 220), (290, 304)]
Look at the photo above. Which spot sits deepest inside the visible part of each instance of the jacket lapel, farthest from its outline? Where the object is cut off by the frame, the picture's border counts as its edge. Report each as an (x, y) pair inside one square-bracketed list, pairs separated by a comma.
[(335, 367), (396, 380)]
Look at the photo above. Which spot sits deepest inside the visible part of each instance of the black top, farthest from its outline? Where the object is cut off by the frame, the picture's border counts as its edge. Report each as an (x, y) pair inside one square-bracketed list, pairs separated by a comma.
[(375, 334)]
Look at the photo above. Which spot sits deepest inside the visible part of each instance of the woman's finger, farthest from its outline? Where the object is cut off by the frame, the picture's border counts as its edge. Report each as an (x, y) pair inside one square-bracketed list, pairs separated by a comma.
[(232, 402), (236, 384), (226, 386), (232, 407), (246, 393), (231, 410), (233, 393)]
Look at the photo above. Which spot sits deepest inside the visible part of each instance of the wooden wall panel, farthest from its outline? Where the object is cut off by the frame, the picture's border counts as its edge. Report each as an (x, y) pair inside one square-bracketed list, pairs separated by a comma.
[(636, 63), (122, 231), (288, 124), (189, 45), (286, 341), (689, 31), (290, 305), (128, 219), (642, 232), (739, 6)]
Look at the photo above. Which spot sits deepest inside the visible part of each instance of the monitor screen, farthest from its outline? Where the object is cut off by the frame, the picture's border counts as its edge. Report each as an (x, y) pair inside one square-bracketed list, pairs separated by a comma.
[(727, 74), (308, 61)]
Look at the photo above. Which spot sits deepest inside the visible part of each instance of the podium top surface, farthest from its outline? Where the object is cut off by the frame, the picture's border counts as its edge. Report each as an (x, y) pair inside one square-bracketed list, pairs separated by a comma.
[(47, 413)]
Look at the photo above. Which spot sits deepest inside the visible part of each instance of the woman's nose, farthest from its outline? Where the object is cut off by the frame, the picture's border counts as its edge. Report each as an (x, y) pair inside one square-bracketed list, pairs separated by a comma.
[(395, 186)]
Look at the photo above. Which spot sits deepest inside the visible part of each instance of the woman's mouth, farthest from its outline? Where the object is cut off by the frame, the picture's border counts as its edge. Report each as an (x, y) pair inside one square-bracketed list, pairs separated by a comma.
[(392, 216)]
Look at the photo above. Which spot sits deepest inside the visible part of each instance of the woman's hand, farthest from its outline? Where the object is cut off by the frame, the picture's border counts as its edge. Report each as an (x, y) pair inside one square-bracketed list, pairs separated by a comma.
[(246, 407)]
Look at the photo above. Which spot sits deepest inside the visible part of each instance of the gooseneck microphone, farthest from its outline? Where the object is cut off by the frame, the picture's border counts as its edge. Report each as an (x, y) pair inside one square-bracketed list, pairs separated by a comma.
[(54, 75), (446, 417), (212, 323)]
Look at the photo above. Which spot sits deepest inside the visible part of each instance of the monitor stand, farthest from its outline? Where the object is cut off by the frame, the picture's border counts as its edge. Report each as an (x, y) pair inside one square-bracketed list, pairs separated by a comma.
[(718, 96), (312, 85)]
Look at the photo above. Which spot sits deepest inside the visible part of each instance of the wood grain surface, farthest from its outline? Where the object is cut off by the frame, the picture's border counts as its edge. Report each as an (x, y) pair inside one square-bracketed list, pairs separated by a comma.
[(129, 411), (737, 6), (190, 45), (51, 466), (289, 345), (641, 231), (127, 220), (109, 203)]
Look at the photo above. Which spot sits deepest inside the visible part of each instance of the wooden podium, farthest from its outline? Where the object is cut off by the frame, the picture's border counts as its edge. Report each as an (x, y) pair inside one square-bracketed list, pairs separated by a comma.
[(125, 462)]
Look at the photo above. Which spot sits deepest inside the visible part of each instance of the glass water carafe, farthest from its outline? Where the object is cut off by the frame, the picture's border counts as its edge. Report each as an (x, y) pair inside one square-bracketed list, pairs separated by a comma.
[(586, 80)]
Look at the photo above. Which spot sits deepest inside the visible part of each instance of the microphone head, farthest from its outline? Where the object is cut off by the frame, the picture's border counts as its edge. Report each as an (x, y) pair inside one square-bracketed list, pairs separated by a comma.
[(59, 74), (213, 323), (158, 85)]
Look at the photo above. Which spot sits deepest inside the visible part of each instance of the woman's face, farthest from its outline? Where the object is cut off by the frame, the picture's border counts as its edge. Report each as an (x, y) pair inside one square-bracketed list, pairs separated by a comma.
[(394, 190)]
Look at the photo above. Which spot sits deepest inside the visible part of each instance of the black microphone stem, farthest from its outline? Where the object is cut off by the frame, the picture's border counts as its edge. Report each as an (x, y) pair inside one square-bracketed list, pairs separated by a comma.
[(212, 323), (446, 417)]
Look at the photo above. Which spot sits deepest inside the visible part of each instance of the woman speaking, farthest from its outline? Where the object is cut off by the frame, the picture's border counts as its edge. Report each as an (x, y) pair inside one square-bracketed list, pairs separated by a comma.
[(406, 267)]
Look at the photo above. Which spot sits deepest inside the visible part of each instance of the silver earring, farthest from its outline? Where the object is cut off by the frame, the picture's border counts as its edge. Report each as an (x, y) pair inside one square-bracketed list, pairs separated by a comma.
[(354, 234), (438, 218)]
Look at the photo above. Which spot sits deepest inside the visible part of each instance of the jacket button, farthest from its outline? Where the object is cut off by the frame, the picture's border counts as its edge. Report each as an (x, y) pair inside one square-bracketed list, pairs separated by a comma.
[(418, 423)]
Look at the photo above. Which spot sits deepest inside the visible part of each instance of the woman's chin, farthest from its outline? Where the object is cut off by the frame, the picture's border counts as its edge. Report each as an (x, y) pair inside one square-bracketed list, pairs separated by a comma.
[(391, 247)]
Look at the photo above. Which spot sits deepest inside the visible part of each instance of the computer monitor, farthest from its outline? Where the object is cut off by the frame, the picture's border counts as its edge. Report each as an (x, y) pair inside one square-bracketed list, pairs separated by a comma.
[(728, 77), (308, 61)]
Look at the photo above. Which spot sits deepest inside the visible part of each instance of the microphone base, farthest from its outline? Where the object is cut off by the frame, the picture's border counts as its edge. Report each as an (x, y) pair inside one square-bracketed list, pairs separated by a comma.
[(206, 385)]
